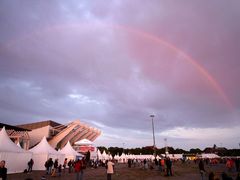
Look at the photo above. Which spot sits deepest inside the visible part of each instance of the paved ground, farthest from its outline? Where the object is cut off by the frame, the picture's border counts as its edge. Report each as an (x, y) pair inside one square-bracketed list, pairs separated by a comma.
[(181, 172)]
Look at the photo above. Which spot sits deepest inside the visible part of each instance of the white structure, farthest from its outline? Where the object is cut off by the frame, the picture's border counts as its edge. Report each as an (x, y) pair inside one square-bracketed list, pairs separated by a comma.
[(84, 142), (16, 158), (99, 155), (210, 156), (69, 152), (105, 156), (173, 156), (59, 134), (42, 152), (94, 154)]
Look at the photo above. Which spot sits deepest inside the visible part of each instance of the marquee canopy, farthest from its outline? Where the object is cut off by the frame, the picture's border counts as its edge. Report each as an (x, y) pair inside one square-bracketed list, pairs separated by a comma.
[(84, 142), (16, 158)]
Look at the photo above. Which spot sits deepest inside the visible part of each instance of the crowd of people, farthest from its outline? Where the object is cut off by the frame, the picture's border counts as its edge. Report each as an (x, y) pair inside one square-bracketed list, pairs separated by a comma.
[(53, 168), (230, 164), (163, 165)]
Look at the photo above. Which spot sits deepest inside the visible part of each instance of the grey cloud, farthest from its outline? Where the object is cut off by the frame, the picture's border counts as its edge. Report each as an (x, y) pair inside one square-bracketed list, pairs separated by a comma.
[(50, 50)]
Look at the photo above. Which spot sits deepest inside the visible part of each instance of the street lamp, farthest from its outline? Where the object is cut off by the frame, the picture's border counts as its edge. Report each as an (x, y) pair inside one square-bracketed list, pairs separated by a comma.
[(154, 145)]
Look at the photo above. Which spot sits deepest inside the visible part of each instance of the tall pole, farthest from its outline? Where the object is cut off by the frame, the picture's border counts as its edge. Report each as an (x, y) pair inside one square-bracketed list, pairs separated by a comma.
[(154, 145), (166, 148)]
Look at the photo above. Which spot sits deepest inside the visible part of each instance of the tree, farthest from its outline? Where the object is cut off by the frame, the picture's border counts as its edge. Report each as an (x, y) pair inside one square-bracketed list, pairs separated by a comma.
[(195, 151)]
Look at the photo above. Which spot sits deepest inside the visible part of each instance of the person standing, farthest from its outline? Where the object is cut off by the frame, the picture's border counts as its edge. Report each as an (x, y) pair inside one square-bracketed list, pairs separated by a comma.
[(110, 169), (64, 165), (50, 165), (70, 165), (162, 165), (3, 170), (144, 164), (237, 162), (47, 166), (78, 169), (129, 163), (201, 168), (30, 165), (60, 170), (169, 166), (55, 168)]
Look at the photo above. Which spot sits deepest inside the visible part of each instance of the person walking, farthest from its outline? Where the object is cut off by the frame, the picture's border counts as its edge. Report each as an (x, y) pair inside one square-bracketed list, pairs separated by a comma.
[(110, 169)]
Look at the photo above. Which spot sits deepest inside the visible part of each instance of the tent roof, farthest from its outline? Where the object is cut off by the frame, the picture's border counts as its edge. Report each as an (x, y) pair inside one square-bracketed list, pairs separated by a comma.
[(209, 155), (6, 143), (43, 147), (84, 142), (68, 150)]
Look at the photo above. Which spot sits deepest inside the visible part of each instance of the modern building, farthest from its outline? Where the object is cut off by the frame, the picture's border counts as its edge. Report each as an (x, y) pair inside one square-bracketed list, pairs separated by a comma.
[(17, 135), (59, 134)]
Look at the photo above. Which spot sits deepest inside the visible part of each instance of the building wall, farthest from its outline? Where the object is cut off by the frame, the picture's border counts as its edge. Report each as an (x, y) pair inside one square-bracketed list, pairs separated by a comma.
[(36, 135)]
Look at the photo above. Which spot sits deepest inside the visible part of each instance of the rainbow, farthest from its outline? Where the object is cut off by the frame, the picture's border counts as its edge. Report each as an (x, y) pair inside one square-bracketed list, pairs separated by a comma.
[(213, 82)]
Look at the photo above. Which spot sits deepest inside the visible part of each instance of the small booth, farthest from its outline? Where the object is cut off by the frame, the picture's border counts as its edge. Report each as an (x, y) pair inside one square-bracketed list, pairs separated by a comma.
[(70, 153), (84, 145)]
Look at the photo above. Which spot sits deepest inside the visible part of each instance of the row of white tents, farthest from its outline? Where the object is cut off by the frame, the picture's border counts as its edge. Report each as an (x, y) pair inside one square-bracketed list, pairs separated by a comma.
[(124, 157), (17, 158)]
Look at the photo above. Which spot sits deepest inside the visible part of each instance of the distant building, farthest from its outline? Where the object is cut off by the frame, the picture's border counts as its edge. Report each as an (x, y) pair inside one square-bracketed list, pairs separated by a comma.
[(58, 134), (17, 135)]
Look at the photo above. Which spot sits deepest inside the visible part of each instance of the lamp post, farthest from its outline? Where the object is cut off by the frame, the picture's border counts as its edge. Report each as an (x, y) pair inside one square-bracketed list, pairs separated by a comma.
[(166, 148), (154, 145)]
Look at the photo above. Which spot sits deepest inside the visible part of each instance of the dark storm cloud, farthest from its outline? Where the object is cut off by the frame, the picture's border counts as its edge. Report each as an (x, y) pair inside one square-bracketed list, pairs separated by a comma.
[(62, 60)]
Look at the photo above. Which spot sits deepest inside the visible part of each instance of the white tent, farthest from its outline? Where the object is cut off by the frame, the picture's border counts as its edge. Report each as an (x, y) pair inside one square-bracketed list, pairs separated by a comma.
[(84, 142), (116, 157), (99, 155), (105, 156), (42, 152), (210, 156), (16, 158), (94, 154), (122, 158), (69, 152)]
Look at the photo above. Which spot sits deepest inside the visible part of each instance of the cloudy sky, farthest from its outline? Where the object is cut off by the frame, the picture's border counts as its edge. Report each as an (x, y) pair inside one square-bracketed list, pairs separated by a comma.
[(113, 63)]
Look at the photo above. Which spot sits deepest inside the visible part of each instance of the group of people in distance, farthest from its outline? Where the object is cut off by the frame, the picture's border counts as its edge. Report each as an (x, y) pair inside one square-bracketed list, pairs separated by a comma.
[(224, 176), (163, 164)]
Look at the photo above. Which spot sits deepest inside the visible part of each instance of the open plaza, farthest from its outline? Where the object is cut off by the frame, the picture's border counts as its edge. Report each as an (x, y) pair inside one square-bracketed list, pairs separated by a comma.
[(181, 171)]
